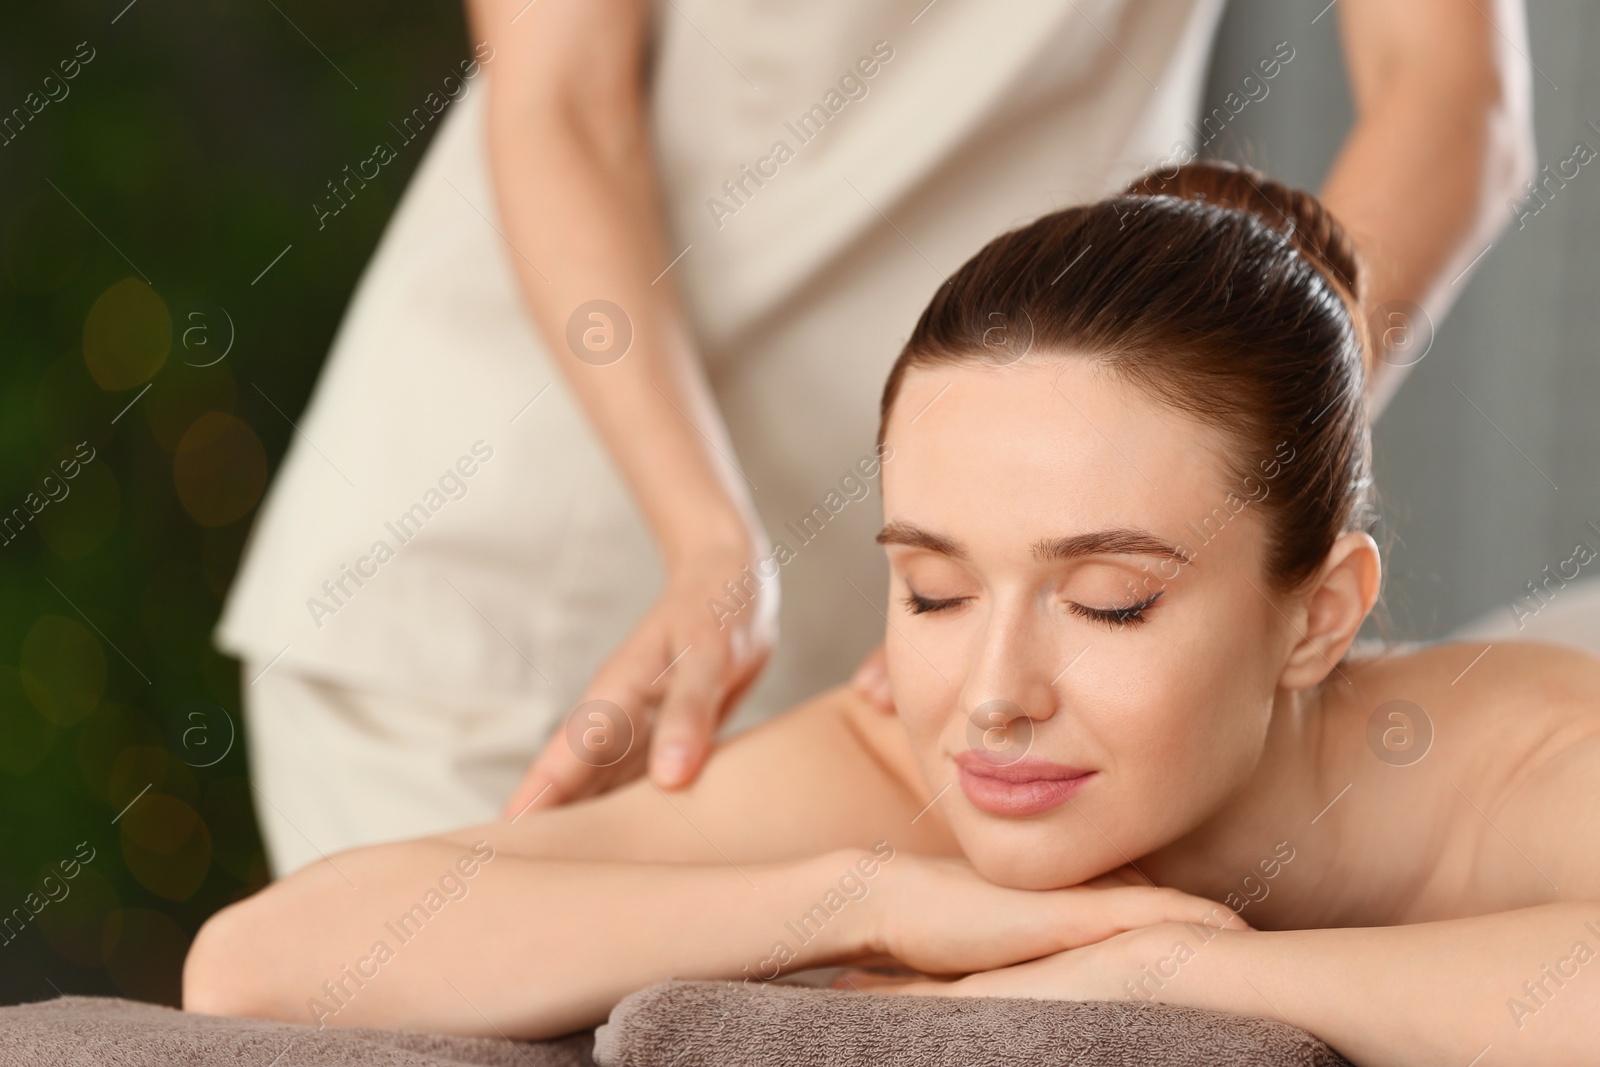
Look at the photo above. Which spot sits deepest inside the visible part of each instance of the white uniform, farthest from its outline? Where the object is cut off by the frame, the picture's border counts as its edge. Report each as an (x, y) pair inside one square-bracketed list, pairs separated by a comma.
[(822, 168)]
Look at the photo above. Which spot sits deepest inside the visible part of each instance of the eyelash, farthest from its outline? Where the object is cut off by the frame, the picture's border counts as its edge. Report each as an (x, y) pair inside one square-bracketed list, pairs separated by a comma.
[(919, 604), (1131, 615)]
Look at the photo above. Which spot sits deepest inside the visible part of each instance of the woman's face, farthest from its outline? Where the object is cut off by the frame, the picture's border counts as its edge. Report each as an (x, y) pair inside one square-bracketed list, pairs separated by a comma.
[(1080, 642)]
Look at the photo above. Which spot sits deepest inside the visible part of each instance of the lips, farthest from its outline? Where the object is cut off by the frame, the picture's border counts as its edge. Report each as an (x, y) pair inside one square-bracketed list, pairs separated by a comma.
[(1028, 786)]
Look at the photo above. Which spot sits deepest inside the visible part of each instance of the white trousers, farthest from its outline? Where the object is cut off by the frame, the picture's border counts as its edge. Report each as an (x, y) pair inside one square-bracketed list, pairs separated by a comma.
[(335, 766)]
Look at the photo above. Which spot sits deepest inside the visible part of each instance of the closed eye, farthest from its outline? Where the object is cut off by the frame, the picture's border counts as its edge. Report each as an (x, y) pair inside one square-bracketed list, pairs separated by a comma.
[(1130, 615), (917, 604)]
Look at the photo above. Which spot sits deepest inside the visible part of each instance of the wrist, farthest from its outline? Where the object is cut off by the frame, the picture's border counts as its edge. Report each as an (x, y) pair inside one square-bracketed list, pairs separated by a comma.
[(1184, 963), (713, 539), (848, 887)]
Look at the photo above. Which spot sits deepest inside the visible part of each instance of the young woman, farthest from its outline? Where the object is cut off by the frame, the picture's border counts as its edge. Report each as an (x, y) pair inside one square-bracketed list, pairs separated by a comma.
[(1126, 489)]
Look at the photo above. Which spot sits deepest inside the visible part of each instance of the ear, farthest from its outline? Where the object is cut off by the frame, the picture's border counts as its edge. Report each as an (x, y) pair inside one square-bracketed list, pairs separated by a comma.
[(1333, 609)]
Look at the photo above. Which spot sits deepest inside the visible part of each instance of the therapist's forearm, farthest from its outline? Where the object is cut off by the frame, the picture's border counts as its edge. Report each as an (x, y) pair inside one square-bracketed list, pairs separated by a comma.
[(575, 185), (1441, 142)]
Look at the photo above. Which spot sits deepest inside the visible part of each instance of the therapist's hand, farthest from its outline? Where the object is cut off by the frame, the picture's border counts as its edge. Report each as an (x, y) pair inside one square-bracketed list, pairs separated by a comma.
[(573, 169), (676, 677)]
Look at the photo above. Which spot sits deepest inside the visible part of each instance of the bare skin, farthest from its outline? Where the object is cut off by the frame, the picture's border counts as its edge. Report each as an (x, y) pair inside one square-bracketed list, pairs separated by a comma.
[(1394, 906)]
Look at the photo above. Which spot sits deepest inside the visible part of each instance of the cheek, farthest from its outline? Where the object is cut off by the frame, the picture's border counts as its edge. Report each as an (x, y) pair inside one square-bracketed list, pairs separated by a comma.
[(1180, 731), (921, 698)]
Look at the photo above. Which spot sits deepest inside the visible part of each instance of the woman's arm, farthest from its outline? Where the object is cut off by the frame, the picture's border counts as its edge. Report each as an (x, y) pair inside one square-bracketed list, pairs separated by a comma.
[(401, 936), (429, 936), (1442, 142), (1518, 987), (574, 179), (1521, 979), (538, 927)]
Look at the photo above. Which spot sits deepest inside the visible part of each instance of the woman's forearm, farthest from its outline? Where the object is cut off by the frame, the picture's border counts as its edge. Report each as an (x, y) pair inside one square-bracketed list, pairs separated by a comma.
[(401, 935), (1523, 985), (574, 180)]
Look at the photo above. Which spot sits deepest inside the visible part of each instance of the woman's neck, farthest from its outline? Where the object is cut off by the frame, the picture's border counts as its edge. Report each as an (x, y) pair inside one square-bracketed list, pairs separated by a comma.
[(1237, 854)]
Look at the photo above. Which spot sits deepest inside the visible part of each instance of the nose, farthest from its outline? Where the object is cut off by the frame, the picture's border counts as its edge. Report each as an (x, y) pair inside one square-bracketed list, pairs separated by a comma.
[(1008, 686)]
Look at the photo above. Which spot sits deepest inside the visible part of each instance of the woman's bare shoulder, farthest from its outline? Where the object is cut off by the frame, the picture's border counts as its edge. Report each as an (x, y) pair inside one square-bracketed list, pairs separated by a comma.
[(1480, 682), (828, 773), (1512, 757)]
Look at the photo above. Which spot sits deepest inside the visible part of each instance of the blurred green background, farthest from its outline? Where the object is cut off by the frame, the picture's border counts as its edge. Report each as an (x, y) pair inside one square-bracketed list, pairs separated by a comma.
[(140, 202)]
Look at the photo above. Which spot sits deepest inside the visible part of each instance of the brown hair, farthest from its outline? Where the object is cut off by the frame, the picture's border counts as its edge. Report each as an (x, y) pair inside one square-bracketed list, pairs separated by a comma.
[(1226, 295)]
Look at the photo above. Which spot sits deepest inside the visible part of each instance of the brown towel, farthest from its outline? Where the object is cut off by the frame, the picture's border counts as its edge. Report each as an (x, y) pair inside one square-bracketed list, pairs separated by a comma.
[(684, 1024), (713, 1024), (106, 1032)]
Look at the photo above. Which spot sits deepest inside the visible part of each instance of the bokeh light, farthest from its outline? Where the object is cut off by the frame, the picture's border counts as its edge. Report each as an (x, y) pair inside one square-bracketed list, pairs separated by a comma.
[(78, 925), (136, 217), (62, 668), (166, 846), (25, 733), (127, 335), (184, 396), (219, 469)]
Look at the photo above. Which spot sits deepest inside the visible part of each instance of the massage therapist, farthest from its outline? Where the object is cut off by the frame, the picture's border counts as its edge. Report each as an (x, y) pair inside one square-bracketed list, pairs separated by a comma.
[(609, 382)]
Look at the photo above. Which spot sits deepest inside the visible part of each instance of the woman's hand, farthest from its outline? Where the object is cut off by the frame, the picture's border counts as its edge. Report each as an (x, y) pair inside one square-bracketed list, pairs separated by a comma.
[(939, 916), (667, 689), (1142, 964)]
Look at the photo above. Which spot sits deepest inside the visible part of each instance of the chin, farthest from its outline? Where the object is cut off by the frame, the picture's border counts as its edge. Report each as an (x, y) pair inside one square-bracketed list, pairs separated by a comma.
[(1036, 856)]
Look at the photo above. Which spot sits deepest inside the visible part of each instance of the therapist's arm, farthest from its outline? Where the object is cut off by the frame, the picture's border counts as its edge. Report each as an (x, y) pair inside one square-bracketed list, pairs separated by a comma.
[(574, 179), (1443, 139)]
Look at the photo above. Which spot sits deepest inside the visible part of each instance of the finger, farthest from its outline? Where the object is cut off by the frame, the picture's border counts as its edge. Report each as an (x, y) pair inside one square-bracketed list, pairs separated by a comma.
[(569, 767), (555, 776), (871, 679), (688, 715), (1134, 907), (741, 685)]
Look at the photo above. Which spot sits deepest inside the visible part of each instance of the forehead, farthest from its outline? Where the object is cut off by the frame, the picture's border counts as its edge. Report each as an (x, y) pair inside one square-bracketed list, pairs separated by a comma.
[(1060, 442)]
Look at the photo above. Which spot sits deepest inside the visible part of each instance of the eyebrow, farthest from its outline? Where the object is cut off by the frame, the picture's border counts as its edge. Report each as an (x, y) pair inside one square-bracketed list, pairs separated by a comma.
[(1046, 549)]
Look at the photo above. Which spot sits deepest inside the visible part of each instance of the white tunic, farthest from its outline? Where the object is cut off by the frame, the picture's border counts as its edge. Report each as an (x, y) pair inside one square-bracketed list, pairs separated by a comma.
[(802, 269)]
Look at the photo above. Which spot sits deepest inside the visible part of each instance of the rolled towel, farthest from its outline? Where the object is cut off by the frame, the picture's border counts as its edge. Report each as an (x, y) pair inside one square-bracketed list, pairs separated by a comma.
[(712, 1024), (108, 1032)]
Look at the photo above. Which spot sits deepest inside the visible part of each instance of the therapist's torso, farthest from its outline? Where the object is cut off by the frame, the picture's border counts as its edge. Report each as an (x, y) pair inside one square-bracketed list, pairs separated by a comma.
[(822, 168)]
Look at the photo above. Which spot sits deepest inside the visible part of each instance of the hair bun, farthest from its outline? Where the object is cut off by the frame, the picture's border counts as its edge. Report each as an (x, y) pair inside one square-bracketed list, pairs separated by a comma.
[(1310, 226)]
